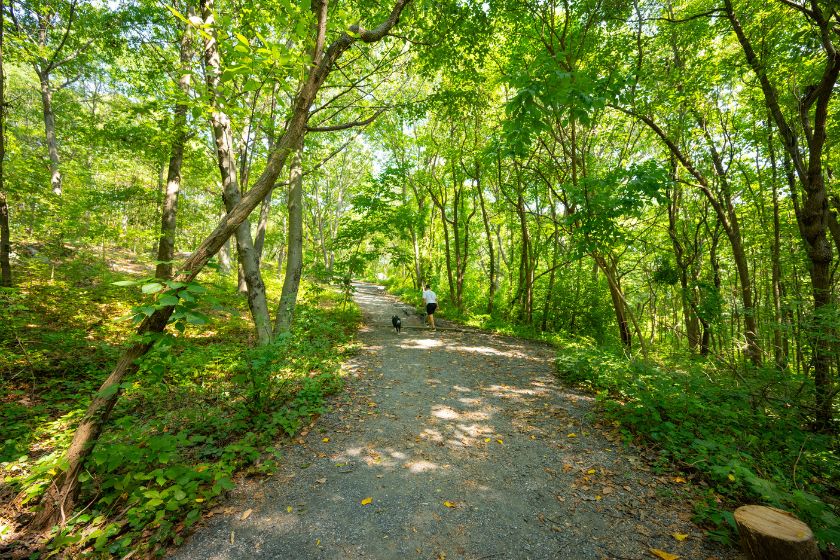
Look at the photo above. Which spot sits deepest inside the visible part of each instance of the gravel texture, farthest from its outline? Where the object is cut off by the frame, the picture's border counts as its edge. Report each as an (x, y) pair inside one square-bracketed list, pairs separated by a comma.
[(468, 448)]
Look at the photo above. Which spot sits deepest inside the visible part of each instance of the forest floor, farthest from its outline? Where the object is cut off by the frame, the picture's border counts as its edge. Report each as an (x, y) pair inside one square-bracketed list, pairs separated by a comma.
[(454, 444)]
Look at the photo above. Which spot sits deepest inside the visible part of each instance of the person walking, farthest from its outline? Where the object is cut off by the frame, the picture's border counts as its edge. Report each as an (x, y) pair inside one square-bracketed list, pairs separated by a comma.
[(430, 300)]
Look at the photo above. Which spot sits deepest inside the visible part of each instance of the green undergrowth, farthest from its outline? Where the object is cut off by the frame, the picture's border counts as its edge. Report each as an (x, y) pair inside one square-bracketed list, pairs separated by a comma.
[(205, 406), (738, 433)]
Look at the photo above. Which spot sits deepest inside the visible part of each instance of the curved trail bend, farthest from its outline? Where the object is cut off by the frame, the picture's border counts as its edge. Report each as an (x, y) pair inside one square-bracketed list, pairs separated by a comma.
[(468, 448)]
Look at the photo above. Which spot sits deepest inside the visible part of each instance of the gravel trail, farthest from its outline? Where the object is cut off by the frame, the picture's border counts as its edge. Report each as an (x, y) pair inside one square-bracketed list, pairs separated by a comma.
[(468, 448)]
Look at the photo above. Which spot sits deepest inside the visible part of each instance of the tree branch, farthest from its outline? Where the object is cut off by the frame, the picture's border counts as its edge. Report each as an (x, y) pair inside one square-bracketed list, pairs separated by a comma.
[(51, 64), (345, 126)]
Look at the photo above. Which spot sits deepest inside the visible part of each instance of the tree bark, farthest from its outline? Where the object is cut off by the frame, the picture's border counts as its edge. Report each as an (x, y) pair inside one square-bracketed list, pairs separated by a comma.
[(223, 135), (60, 499), (49, 130), (5, 235), (224, 256), (166, 245), (770, 534), (294, 252), (618, 301), (779, 342), (262, 224), (491, 287)]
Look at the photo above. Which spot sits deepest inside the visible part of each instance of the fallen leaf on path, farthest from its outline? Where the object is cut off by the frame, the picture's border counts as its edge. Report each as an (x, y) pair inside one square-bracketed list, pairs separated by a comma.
[(231, 537), (679, 480), (662, 554), (289, 509), (590, 471), (500, 441), (449, 504), (366, 501), (487, 440), (326, 440), (572, 435), (679, 536), (245, 514)]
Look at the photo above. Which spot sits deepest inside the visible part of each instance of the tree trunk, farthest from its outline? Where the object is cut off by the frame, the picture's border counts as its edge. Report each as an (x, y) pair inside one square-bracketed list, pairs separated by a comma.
[(491, 288), (5, 236), (772, 534), (166, 245), (49, 129), (224, 255), (294, 252), (262, 224), (779, 342), (555, 249), (525, 277), (618, 301), (59, 501), (223, 134)]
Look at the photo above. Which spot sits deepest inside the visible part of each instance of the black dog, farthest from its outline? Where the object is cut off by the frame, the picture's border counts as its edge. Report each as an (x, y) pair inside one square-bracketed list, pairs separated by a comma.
[(395, 320)]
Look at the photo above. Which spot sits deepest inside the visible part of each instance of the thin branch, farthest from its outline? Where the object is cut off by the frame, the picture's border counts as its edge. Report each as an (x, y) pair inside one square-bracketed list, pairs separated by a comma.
[(345, 126)]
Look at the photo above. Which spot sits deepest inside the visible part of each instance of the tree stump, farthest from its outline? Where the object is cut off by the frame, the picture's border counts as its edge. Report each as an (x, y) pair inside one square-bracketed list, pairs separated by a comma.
[(772, 534)]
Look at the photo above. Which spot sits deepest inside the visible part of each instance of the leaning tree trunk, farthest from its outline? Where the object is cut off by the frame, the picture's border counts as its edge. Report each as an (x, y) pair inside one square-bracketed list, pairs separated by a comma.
[(58, 502), (223, 134), (166, 246), (294, 253), (49, 129)]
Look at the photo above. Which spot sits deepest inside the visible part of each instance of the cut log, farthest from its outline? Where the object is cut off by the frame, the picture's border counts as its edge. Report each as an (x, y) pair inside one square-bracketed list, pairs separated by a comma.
[(772, 534)]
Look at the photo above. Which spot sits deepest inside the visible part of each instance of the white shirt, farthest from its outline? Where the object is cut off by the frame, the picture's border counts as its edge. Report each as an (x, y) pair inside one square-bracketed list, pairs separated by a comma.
[(429, 296)]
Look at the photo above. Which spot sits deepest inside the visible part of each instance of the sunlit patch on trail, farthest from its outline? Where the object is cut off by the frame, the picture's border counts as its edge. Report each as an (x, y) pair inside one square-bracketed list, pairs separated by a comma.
[(421, 343), (421, 466), (445, 413)]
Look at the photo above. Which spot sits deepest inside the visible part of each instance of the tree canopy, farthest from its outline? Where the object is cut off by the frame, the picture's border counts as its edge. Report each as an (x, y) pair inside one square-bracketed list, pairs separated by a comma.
[(649, 183)]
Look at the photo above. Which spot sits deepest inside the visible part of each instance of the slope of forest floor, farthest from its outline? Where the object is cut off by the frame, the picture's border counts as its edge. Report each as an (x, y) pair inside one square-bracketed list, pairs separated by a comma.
[(206, 405), (454, 444)]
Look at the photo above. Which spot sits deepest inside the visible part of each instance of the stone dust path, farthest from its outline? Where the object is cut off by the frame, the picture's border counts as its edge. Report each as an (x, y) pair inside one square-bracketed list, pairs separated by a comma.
[(468, 448)]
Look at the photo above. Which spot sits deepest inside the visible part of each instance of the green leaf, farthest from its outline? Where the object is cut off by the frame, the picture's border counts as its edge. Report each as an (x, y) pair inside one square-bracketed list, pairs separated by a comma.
[(167, 300), (152, 288)]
